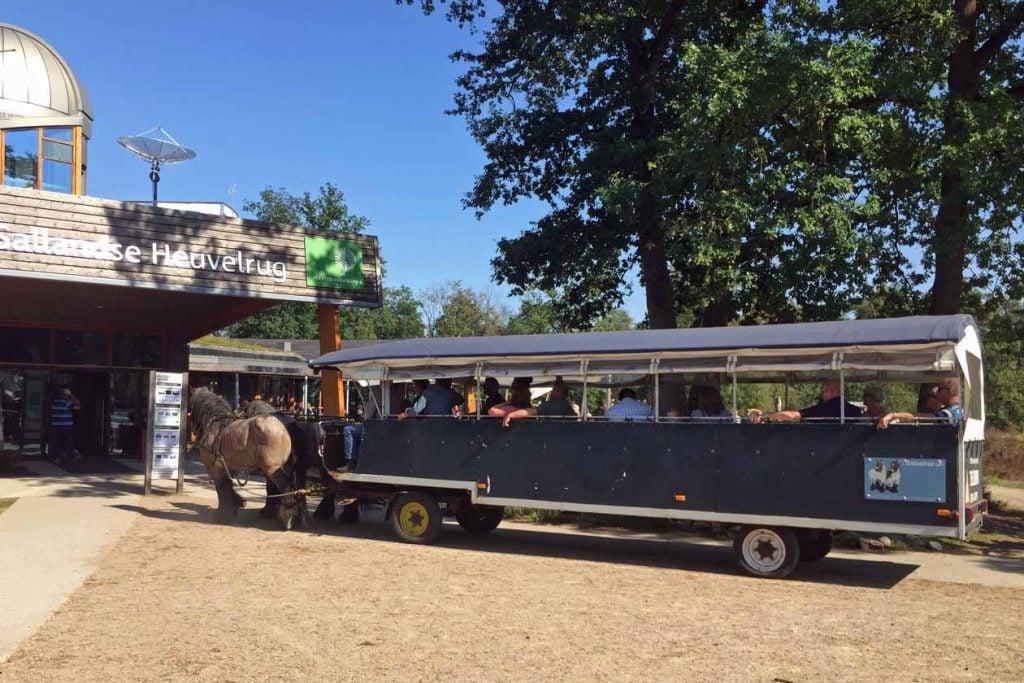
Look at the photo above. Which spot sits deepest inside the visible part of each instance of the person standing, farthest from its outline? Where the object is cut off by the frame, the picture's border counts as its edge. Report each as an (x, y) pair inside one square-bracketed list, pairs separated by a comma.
[(62, 423)]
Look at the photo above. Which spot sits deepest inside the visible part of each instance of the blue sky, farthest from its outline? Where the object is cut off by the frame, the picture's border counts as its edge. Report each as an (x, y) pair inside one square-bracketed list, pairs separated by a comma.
[(292, 95)]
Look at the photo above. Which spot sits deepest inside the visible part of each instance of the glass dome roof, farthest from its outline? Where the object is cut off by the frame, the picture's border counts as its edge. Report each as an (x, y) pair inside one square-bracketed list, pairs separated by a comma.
[(37, 87)]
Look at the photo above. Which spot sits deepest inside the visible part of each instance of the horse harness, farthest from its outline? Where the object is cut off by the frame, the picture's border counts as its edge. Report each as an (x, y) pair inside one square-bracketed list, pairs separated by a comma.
[(215, 447)]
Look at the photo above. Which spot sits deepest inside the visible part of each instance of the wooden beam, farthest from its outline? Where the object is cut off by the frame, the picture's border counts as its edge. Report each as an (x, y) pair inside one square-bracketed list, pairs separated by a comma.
[(332, 395)]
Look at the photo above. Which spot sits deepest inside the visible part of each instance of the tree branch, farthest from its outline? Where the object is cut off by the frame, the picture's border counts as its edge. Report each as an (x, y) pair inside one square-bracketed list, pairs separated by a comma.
[(659, 46), (1010, 24)]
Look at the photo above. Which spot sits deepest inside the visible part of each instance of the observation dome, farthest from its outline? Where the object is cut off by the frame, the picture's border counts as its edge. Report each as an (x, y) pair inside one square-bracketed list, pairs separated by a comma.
[(45, 116), (37, 87)]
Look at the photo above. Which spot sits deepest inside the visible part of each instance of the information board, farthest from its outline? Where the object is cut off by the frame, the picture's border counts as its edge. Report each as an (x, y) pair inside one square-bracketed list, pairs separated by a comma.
[(167, 407)]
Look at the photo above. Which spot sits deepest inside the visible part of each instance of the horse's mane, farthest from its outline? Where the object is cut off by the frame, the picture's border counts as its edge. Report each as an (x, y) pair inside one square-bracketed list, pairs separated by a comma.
[(258, 408), (206, 407)]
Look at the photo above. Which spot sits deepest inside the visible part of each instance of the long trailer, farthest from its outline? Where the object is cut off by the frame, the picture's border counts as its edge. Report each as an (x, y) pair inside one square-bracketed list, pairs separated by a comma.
[(785, 487)]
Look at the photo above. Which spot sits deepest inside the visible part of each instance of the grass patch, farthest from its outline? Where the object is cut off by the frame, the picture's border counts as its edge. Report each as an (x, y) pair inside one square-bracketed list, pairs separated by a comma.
[(229, 343), (6, 503), (1004, 455), (996, 481)]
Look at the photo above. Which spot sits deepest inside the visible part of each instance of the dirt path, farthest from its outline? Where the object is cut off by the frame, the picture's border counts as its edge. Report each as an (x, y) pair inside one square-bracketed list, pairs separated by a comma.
[(179, 598), (1011, 497)]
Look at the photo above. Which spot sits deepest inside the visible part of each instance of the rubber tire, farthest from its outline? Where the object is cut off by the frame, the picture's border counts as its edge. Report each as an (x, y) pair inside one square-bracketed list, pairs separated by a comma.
[(815, 545), (783, 540), (405, 511), (479, 519)]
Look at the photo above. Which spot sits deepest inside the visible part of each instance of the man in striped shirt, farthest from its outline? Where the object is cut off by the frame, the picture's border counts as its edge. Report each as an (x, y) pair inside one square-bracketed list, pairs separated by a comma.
[(62, 422)]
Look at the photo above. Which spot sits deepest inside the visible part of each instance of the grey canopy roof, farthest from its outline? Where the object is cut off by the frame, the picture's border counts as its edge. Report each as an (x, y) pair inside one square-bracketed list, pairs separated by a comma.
[(700, 349)]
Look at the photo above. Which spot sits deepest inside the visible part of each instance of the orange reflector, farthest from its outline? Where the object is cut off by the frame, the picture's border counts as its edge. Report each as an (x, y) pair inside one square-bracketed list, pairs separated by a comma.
[(680, 498), (944, 512), (481, 485)]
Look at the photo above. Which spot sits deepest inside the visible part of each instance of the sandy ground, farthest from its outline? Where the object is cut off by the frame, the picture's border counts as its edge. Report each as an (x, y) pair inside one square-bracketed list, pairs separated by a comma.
[(180, 598)]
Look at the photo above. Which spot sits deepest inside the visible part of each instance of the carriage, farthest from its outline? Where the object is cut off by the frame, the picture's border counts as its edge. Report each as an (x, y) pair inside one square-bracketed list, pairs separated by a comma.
[(783, 488)]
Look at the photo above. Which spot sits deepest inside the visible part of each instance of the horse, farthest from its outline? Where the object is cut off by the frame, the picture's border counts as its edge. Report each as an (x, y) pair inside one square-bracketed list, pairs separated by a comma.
[(307, 437), (227, 442)]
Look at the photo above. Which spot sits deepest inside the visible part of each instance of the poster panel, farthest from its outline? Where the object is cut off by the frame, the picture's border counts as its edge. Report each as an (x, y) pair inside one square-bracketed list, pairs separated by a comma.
[(906, 479)]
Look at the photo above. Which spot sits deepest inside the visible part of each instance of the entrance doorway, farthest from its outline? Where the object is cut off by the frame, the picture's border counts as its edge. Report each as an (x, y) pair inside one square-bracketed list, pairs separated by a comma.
[(91, 388)]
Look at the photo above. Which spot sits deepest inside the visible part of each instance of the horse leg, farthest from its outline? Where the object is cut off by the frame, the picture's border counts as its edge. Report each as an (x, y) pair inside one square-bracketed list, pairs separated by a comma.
[(300, 476), (287, 508), (269, 509), (228, 500), (325, 510)]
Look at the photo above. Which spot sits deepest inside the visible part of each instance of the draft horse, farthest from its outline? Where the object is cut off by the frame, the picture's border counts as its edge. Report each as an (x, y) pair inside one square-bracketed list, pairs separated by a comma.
[(307, 438), (227, 442)]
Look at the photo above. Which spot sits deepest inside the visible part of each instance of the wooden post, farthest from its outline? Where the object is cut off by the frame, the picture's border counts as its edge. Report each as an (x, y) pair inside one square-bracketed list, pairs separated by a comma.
[(331, 394)]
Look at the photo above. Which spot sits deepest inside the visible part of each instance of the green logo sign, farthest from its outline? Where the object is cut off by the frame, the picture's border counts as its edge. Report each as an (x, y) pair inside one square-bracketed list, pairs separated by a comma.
[(333, 263)]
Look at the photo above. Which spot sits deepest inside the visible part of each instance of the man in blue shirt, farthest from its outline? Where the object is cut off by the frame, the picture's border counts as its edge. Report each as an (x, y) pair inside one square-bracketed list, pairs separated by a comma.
[(628, 408), (828, 407), (62, 423)]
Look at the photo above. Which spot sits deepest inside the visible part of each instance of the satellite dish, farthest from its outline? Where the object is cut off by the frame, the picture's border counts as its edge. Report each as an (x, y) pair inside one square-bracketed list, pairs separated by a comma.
[(157, 147)]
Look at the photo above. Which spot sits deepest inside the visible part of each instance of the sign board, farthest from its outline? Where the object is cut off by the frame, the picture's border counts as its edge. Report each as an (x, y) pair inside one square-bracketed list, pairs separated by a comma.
[(335, 264), (165, 443), (905, 479), (48, 235)]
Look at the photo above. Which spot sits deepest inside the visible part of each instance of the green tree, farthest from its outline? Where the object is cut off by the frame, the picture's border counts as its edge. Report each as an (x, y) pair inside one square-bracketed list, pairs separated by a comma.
[(537, 314), (614, 321), (327, 211), (573, 102), (398, 318), (946, 123), (453, 310)]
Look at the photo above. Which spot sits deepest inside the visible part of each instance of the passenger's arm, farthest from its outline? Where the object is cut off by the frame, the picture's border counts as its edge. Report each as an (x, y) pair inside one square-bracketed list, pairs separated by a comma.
[(889, 418), (781, 416), (517, 414)]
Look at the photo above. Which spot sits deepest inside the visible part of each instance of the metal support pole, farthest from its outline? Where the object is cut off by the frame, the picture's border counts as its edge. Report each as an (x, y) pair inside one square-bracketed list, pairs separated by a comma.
[(583, 408), (477, 390), (238, 396), (657, 389), (305, 396)]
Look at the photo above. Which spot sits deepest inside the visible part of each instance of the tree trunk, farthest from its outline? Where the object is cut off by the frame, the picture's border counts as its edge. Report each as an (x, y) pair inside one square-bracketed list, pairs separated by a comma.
[(949, 241)]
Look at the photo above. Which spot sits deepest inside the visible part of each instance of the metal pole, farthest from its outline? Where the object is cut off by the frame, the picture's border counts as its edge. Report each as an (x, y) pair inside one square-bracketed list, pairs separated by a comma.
[(305, 396), (147, 451), (238, 390), (657, 389), (154, 175), (583, 408), (182, 434), (842, 397)]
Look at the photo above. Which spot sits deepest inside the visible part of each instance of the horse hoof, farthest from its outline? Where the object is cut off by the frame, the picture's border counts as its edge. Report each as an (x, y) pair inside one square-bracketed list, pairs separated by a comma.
[(286, 524)]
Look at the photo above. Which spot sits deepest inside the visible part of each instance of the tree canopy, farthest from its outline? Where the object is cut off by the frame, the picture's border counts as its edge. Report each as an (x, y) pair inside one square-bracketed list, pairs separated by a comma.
[(751, 161)]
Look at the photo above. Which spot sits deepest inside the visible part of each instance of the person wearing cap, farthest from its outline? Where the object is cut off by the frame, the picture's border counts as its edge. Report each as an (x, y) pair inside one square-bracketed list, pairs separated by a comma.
[(874, 401), (947, 393)]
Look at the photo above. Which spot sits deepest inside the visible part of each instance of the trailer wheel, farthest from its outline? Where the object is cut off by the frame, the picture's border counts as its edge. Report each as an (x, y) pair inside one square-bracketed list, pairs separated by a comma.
[(766, 551), (815, 545), (416, 517), (478, 519)]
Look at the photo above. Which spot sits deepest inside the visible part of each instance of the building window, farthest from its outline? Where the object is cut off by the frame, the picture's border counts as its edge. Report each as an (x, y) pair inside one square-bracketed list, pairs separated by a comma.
[(21, 158), (138, 350), (19, 345), (41, 158), (80, 348)]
